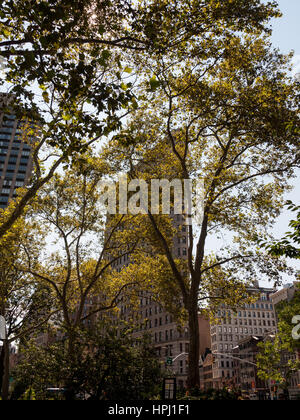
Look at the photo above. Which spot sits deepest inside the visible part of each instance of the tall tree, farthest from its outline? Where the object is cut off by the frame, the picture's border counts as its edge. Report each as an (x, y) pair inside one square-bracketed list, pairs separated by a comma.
[(231, 120), (24, 304), (79, 266), (66, 62)]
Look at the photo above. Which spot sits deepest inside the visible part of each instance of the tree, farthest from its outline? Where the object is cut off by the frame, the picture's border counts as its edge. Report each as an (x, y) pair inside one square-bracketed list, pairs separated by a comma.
[(109, 365), (208, 78), (24, 304), (229, 115), (79, 271), (65, 97), (66, 62), (275, 361)]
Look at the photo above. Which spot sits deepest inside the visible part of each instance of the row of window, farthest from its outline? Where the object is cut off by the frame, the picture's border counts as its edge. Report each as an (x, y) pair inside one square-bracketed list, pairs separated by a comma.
[(259, 304), (10, 175), (122, 260), (245, 313), (8, 123), (245, 322), (6, 131), (162, 336), (231, 338)]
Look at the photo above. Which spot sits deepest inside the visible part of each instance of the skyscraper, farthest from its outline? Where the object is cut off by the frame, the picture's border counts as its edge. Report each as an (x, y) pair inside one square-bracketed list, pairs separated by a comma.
[(15, 155)]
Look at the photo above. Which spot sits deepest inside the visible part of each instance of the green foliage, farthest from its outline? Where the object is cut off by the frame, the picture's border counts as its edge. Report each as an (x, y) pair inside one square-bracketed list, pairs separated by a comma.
[(225, 112), (28, 396), (210, 395), (66, 61), (288, 245), (286, 312), (211, 101), (25, 304), (106, 364), (276, 359)]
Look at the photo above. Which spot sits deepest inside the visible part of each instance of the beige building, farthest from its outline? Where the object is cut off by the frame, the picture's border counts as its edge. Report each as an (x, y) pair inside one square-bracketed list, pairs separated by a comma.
[(245, 372), (257, 319), (286, 294)]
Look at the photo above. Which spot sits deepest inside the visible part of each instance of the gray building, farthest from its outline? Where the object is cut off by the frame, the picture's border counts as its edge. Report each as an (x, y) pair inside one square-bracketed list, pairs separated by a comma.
[(15, 155)]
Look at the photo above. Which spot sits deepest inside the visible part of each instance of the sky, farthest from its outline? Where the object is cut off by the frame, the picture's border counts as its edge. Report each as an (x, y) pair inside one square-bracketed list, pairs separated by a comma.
[(286, 30), (286, 37)]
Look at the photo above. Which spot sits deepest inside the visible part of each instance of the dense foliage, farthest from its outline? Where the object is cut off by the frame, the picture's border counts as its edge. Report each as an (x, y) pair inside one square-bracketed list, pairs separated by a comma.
[(106, 365)]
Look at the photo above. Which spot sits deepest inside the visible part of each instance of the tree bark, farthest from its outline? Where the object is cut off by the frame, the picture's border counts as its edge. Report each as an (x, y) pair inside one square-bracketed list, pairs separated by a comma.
[(194, 349), (70, 393)]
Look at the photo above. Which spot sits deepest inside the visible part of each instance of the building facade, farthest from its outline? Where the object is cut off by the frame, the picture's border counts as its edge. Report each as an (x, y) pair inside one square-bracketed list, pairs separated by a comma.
[(256, 319), (245, 369), (15, 156)]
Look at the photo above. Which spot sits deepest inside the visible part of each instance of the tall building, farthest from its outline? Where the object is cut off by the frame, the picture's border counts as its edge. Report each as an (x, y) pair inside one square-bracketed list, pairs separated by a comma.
[(15, 156), (256, 319)]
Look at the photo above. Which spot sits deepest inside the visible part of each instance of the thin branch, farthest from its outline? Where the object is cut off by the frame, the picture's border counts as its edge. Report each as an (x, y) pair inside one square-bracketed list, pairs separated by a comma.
[(219, 263)]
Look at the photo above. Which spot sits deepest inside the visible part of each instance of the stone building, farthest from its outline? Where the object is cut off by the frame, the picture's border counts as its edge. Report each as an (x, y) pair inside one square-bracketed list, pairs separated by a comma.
[(256, 319)]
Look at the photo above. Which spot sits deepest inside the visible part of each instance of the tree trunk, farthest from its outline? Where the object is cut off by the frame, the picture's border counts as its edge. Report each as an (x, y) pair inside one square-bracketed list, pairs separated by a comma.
[(5, 381), (194, 350), (70, 393)]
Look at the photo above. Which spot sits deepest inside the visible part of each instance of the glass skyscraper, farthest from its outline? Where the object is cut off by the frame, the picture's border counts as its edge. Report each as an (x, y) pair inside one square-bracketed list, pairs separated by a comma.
[(15, 156)]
